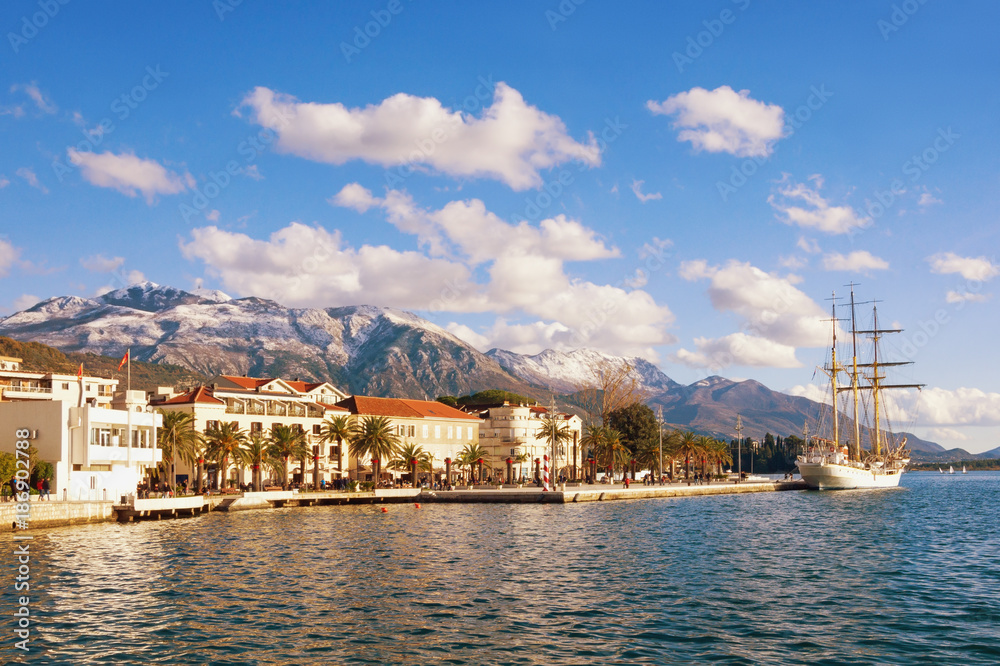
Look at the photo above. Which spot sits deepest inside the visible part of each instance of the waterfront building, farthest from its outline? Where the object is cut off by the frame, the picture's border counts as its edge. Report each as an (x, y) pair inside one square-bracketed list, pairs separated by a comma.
[(256, 405), (100, 442), (514, 431), (441, 430)]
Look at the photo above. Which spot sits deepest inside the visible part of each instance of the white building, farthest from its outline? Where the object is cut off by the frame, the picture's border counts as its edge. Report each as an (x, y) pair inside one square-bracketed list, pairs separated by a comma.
[(100, 444), (256, 405), (508, 431)]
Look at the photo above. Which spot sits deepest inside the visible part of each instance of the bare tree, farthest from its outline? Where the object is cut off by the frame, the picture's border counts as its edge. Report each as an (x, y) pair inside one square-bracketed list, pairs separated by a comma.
[(614, 385)]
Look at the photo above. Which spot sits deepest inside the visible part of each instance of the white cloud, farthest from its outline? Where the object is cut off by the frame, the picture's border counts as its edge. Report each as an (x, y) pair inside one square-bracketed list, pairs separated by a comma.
[(522, 277), (463, 332), (971, 268), (29, 177), (305, 266), (737, 349), (812, 392), (808, 245), (637, 190), (129, 174), (25, 301), (966, 297), (793, 262), (32, 90), (723, 120), (817, 213), (861, 261), (928, 199), (101, 264), (3, 181), (776, 315), (963, 406), (948, 434), (511, 141), (354, 196), (8, 257), (253, 172), (213, 215)]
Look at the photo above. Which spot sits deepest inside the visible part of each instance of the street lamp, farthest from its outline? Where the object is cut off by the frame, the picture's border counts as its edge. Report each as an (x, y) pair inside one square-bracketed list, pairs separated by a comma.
[(739, 448), (659, 423)]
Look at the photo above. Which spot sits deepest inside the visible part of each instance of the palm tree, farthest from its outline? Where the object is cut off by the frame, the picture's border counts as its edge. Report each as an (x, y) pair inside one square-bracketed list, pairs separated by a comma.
[(258, 453), (706, 446), (409, 452), (721, 453), (287, 442), (375, 437), (226, 441), (337, 429), (471, 454), (648, 455), (687, 447), (555, 431), (177, 440)]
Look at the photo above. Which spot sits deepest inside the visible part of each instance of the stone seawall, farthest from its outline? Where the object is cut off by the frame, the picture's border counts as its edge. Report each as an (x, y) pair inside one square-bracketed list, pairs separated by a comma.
[(53, 514)]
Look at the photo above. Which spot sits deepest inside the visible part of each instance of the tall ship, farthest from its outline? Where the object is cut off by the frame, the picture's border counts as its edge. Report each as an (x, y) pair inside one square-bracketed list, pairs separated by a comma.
[(869, 455)]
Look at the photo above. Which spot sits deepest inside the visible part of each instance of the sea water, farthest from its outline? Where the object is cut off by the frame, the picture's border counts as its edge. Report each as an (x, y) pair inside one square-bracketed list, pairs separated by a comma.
[(905, 575)]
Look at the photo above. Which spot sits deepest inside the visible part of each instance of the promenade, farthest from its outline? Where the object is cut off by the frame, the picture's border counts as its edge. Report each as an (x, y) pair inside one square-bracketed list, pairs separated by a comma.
[(61, 513)]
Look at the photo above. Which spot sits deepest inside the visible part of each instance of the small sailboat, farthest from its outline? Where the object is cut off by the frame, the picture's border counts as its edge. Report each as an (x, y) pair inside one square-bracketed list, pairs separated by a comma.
[(951, 470), (963, 470), (940, 470)]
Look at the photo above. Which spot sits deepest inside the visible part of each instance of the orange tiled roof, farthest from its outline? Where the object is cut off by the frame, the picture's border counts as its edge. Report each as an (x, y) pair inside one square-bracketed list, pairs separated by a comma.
[(433, 408), (332, 408), (399, 408), (199, 395), (247, 382)]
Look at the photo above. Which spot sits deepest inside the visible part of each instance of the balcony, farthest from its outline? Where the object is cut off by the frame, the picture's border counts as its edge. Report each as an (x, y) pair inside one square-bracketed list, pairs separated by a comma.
[(25, 390)]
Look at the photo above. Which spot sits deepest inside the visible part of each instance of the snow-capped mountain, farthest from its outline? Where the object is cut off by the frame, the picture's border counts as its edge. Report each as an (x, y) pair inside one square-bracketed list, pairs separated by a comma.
[(567, 372), (363, 349), (369, 350)]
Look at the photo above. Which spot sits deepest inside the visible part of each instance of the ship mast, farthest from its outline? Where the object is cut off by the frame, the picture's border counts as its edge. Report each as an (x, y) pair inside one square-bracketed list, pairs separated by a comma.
[(875, 378), (856, 449), (833, 371)]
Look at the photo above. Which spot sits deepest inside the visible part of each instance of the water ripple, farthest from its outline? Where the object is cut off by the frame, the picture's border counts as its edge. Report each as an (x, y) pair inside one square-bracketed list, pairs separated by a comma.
[(909, 575)]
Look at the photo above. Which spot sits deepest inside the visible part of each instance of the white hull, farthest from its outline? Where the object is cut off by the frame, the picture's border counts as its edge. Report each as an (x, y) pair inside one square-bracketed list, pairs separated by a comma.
[(831, 476)]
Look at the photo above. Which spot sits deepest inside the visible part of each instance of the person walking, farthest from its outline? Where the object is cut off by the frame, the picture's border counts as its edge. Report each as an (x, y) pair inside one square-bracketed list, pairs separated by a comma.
[(45, 490)]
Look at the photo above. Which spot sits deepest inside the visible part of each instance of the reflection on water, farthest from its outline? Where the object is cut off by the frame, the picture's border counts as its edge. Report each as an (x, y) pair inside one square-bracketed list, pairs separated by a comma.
[(900, 575)]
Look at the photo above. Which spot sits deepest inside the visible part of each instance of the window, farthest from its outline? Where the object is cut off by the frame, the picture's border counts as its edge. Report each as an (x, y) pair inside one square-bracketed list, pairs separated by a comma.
[(402, 430), (413, 431), (65, 386), (256, 427), (426, 432), (437, 432), (451, 432), (211, 425), (470, 432), (316, 429)]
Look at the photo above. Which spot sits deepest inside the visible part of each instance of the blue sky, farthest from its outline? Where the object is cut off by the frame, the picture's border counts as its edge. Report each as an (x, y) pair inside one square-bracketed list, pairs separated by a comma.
[(687, 184)]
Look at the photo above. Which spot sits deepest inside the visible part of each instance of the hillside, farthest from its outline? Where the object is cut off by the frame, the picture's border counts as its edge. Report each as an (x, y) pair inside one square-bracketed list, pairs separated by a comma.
[(145, 376)]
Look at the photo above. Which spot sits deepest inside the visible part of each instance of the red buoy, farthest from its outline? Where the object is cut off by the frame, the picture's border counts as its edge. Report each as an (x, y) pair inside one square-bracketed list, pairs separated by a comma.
[(385, 510), (417, 505)]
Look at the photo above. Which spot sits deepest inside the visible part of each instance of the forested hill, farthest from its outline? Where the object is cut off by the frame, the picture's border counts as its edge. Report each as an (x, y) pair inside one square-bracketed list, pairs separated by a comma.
[(37, 357)]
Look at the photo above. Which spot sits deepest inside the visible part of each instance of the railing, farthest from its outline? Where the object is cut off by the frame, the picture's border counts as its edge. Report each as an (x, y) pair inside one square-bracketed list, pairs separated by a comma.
[(235, 409), (26, 389)]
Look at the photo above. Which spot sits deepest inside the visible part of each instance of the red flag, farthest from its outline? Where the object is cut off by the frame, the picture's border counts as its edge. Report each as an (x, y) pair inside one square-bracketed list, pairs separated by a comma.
[(79, 373), (124, 360)]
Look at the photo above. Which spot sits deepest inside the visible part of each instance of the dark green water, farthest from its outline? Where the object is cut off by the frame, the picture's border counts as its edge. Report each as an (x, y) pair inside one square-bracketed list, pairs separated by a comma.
[(909, 575)]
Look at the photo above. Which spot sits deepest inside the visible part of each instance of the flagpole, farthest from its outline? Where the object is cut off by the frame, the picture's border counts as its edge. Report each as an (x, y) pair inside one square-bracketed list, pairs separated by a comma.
[(128, 407)]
